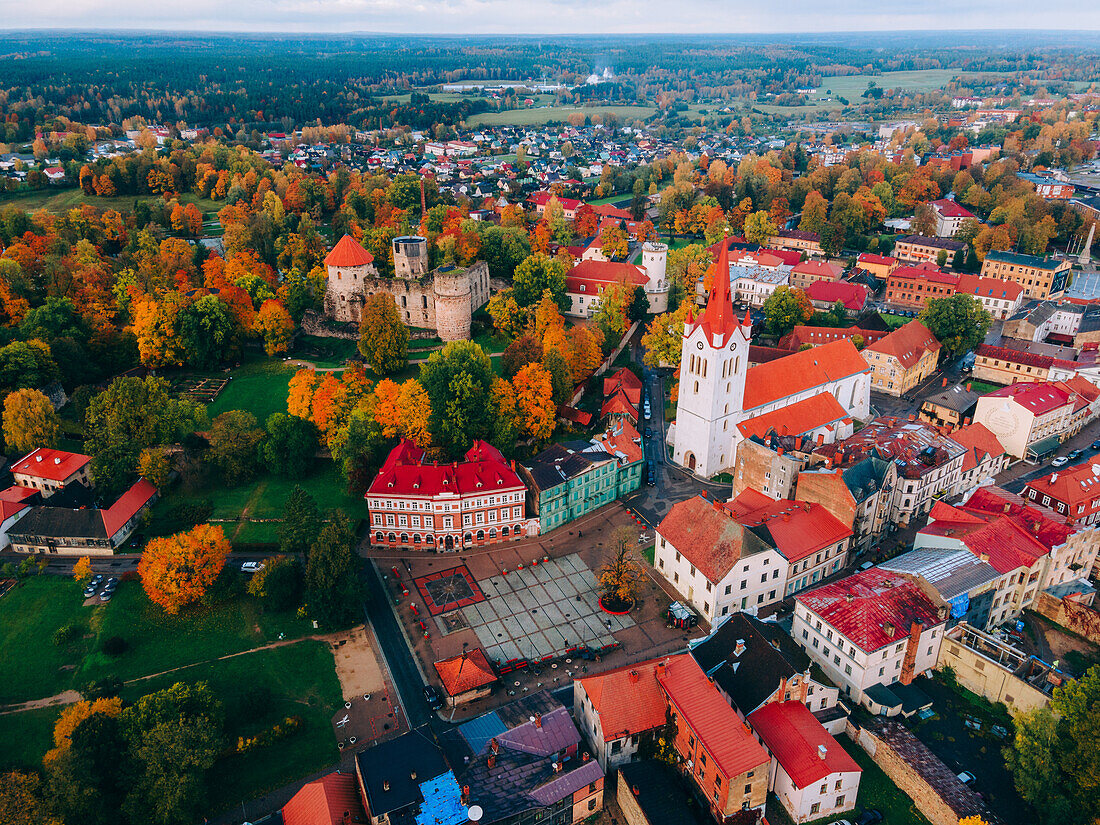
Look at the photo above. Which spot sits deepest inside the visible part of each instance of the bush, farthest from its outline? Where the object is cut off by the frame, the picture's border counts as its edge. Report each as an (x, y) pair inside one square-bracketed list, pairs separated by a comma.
[(104, 688), (69, 632), (115, 646)]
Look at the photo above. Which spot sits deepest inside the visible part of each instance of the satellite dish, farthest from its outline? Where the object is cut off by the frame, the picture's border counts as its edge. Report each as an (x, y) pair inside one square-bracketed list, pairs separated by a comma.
[(475, 813)]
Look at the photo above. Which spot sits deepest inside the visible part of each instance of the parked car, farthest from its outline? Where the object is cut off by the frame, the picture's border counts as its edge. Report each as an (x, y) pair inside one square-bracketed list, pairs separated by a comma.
[(252, 567), (967, 778), (870, 817), (1076, 454), (648, 432), (90, 591), (106, 595), (842, 822), (111, 584), (1060, 461), (95, 580), (432, 697), (866, 565), (1096, 444)]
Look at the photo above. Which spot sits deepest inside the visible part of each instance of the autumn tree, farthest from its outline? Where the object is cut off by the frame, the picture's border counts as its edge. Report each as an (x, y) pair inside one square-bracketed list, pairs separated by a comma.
[(759, 228), (536, 275), (610, 317), (621, 576), (22, 800), (613, 243), (535, 408), (82, 570), (30, 421), (785, 308), (154, 465), (176, 571), (525, 350), (274, 325), (664, 337), (383, 337), (508, 317), (583, 351), (561, 377), (71, 717)]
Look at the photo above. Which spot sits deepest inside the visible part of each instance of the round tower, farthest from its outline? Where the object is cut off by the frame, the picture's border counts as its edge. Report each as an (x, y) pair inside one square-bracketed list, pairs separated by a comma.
[(452, 303), (654, 261), (410, 256)]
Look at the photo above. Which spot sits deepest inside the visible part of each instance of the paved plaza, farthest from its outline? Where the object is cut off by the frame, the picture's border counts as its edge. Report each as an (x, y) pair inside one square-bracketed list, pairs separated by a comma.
[(541, 611)]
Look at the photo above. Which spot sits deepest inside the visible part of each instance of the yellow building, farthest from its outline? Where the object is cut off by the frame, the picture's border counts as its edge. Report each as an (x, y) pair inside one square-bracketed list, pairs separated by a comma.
[(901, 360)]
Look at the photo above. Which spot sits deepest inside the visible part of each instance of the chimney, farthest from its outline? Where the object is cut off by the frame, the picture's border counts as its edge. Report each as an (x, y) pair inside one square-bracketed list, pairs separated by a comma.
[(966, 421), (945, 381), (385, 784), (538, 720), (780, 451), (821, 752), (660, 669), (912, 417), (412, 775), (849, 597), (1053, 478), (465, 794), (983, 556), (491, 762), (634, 677), (739, 648), (968, 386), (635, 790), (820, 439), (494, 745), (557, 767)]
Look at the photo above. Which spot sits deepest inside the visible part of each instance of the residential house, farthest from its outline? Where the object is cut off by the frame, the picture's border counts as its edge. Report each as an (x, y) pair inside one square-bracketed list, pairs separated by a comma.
[(872, 633), (331, 800), (405, 780), (466, 677), (649, 793), (414, 503), (816, 336), (915, 249), (1031, 419), (1073, 492), (949, 216), (797, 240), (985, 455), (878, 265), (999, 297), (858, 496), (1040, 277), (812, 775), (808, 272), (950, 407), (912, 287), (965, 583), (48, 470), (903, 359), (1008, 365), (15, 502), (824, 295)]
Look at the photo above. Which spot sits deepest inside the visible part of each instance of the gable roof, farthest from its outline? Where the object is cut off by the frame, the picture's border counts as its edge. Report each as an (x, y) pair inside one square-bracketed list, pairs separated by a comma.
[(625, 378), (52, 465), (795, 738), (348, 252), (801, 371), (872, 608), (980, 443), (950, 209), (852, 296), (908, 343), (819, 269), (594, 275), (1037, 397), (1071, 485), (324, 802), (406, 472), (396, 762), (797, 529), (467, 671), (796, 419), (706, 534), (628, 700), (720, 731)]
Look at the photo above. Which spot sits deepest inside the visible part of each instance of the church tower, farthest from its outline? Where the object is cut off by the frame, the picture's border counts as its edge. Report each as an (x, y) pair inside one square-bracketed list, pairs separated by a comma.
[(713, 365)]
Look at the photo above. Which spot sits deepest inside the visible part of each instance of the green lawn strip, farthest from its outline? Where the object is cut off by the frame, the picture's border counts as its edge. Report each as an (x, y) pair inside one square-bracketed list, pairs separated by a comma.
[(259, 690), (261, 388), (159, 641), (877, 790), (983, 387), (25, 737), (62, 200), (31, 665)]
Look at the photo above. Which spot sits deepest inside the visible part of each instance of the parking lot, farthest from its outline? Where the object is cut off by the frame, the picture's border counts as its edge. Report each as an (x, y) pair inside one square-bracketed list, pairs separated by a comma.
[(100, 589)]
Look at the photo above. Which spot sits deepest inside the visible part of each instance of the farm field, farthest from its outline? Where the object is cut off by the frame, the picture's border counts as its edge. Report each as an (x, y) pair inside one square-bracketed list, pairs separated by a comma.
[(538, 117)]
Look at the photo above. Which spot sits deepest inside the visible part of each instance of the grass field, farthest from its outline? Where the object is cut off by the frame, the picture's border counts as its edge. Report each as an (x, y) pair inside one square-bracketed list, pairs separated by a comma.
[(33, 667), (537, 117), (26, 737), (259, 387), (58, 201)]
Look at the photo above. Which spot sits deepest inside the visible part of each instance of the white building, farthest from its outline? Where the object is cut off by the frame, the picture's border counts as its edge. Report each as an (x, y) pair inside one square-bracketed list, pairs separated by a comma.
[(869, 632), (718, 390), (586, 282)]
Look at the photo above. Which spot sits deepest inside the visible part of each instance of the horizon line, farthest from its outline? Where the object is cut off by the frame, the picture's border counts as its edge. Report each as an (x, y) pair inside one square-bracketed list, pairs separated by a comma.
[(583, 35)]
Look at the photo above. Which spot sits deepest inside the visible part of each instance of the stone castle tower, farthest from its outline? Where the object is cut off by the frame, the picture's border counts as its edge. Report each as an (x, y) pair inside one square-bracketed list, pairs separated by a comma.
[(453, 304), (410, 256)]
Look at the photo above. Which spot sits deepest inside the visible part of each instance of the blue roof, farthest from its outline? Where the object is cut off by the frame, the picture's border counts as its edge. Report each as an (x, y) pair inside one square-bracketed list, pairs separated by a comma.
[(477, 732), (442, 802)]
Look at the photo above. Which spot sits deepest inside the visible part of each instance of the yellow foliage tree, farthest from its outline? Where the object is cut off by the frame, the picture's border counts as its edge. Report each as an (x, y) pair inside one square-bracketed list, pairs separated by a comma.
[(535, 410), (274, 325), (82, 570), (154, 465), (29, 421), (70, 719)]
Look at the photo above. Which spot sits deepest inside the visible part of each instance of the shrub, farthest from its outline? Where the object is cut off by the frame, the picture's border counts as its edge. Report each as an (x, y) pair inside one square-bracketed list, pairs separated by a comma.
[(68, 632), (104, 688), (115, 646)]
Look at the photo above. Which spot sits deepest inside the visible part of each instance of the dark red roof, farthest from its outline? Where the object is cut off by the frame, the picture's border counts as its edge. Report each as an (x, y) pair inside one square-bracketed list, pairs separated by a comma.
[(53, 465), (794, 737), (853, 296), (596, 275), (348, 252), (1038, 397), (624, 377), (465, 672), (871, 258), (950, 209), (324, 802), (705, 533), (873, 608), (407, 473)]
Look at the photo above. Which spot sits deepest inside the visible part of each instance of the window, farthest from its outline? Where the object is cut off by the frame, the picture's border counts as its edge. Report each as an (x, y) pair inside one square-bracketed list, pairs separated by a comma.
[(748, 790), (840, 800), (815, 808)]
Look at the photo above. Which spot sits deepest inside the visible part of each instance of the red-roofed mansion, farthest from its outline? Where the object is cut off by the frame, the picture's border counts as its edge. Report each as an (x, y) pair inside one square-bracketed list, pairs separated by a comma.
[(718, 390), (585, 282), (419, 504), (443, 299)]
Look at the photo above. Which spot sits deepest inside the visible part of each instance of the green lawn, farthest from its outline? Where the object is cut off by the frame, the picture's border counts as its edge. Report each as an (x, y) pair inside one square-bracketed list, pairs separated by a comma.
[(877, 790), (854, 85), (33, 667), (895, 320), (325, 352), (258, 690), (62, 200), (983, 387), (259, 387), (537, 117), (26, 737)]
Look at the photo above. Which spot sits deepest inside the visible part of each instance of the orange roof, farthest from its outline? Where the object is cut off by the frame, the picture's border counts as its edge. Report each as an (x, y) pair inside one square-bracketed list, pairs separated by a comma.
[(705, 533), (718, 319), (53, 465), (619, 404), (348, 252), (625, 377), (979, 442), (796, 419), (819, 269), (622, 438), (720, 731), (628, 700), (797, 528), (324, 801), (465, 672), (907, 343), (801, 371)]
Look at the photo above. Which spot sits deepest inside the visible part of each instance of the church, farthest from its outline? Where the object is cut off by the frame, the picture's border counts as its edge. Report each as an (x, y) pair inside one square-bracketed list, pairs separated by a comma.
[(719, 391)]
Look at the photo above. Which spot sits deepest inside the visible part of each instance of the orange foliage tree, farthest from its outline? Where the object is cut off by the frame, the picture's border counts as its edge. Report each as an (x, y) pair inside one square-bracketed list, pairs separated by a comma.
[(70, 719), (535, 409), (274, 325), (177, 570)]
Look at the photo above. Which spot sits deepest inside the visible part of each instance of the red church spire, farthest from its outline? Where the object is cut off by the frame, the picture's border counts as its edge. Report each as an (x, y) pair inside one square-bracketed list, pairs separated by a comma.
[(718, 315)]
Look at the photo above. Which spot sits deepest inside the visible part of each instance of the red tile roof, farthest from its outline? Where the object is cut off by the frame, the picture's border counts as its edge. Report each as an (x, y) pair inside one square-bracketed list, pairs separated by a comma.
[(794, 737), (979, 442), (801, 371), (1038, 397), (624, 439), (1014, 356), (853, 296), (348, 252), (407, 473), (629, 700), (950, 209), (819, 269), (880, 260), (606, 210), (701, 707), (988, 287), (789, 257), (797, 528), (1072, 486), (908, 343), (128, 504), (626, 379), (798, 418), (13, 500), (924, 272), (597, 275), (465, 672), (52, 465), (994, 537), (324, 801), (862, 606), (619, 404), (705, 533), (803, 334)]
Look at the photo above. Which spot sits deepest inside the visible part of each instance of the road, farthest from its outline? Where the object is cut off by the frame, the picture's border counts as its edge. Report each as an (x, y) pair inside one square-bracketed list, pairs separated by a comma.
[(114, 565)]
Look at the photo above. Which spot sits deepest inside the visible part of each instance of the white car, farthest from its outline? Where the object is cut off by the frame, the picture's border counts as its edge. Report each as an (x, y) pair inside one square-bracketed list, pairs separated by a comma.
[(1060, 461), (252, 567)]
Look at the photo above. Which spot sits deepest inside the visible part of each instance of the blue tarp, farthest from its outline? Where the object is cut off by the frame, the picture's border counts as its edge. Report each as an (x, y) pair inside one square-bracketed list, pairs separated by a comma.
[(442, 802), (959, 605)]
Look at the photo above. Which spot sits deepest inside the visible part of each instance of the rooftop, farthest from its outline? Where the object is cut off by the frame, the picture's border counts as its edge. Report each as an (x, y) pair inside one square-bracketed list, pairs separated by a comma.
[(629, 699), (407, 472), (393, 771), (908, 343), (915, 447), (801, 371), (804, 749), (1020, 259), (324, 801), (52, 465), (348, 252), (801, 417), (796, 528), (467, 671)]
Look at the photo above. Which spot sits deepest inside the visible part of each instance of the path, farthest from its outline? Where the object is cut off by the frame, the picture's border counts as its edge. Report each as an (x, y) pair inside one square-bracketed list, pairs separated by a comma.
[(70, 697), (242, 519)]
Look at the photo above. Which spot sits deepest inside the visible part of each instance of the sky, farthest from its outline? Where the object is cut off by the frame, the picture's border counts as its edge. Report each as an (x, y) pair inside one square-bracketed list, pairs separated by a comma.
[(549, 16)]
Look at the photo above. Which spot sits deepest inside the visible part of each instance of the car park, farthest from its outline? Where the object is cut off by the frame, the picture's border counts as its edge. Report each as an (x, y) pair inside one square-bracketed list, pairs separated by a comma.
[(432, 697), (95, 580)]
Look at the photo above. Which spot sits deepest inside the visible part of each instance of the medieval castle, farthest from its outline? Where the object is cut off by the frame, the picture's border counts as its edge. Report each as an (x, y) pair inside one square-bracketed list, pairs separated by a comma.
[(442, 300)]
